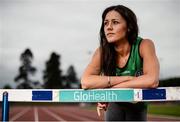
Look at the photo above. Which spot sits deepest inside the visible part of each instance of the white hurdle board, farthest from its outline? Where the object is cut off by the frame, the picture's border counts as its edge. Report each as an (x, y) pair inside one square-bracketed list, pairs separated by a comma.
[(94, 95)]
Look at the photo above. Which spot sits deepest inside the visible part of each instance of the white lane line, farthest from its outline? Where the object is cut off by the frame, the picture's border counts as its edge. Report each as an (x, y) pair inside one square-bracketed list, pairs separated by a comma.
[(53, 115), (78, 117), (18, 115), (36, 115)]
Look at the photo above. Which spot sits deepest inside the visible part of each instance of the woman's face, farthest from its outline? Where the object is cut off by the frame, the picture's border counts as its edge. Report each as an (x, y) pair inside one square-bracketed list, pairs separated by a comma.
[(115, 27)]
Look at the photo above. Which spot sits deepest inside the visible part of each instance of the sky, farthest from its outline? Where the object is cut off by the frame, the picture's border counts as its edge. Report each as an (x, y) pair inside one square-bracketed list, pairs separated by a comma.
[(71, 29)]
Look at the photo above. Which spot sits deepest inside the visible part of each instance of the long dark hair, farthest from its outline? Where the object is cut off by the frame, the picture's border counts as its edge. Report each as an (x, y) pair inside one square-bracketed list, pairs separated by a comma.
[(108, 53)]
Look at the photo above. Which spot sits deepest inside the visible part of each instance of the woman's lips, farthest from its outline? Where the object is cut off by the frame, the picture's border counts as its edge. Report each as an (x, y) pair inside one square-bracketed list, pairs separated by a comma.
[(110, 34)]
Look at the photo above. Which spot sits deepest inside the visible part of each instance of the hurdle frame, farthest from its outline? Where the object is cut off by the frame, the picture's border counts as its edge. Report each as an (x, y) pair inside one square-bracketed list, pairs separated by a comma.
[(95, 95)]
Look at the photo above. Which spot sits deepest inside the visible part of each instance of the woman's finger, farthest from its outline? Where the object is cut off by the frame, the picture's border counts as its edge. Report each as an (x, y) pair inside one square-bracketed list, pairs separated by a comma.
[(99, 109)]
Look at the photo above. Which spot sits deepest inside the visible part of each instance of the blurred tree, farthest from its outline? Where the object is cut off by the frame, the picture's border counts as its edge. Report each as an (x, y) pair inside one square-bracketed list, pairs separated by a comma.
[(71, 78), (24, 85), (7, 86), (25, 70), (52, 74), (170, 82)]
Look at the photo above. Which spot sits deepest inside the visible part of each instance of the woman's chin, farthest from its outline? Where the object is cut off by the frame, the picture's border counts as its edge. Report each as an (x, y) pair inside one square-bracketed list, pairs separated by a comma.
[(111, 41)]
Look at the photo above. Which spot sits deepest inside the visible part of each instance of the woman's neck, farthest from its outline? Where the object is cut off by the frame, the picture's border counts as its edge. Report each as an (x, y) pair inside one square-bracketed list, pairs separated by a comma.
[(123, 48)]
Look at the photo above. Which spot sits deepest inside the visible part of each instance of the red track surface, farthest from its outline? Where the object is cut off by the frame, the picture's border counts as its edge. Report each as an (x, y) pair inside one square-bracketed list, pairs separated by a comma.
[(60, 113)]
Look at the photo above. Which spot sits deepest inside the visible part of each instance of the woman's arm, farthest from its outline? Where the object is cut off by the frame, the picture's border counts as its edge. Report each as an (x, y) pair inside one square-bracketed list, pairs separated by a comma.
[(150, 78), (91, 77)]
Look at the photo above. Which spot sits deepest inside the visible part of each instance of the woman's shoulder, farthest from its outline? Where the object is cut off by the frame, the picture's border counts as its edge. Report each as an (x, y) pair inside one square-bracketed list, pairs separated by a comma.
[(147, 41), (97, 53), (146, 45)]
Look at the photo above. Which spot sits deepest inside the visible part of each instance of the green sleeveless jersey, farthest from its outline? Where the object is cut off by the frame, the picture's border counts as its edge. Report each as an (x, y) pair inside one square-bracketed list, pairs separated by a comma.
[(133, 67), (134, 64)]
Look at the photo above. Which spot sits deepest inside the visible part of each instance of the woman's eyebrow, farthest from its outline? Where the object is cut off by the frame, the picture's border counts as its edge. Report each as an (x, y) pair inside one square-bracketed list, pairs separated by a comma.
[(115, 19), (110, 19)]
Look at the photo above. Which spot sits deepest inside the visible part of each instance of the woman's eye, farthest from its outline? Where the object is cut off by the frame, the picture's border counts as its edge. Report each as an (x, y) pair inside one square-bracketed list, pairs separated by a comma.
[(105, 23), (115, 22)]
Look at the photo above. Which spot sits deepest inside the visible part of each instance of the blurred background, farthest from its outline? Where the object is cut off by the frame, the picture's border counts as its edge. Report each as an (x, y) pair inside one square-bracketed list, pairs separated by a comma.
[(65, 33), (48, 43)]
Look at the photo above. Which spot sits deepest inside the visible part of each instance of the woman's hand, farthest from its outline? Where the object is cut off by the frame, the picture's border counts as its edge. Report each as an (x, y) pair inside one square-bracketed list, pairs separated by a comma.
[(101, 106)]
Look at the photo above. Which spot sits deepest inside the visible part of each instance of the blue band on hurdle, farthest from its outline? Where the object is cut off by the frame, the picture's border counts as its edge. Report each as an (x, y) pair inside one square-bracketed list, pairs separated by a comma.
[(41, 95), (154, 94)]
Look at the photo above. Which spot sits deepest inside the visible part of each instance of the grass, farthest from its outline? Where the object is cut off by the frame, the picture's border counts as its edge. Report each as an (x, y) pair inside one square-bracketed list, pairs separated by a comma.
[(171, 109)]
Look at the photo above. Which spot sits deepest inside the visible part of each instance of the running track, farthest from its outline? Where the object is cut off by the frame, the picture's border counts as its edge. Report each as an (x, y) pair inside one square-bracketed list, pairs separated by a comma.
[(60, 113)]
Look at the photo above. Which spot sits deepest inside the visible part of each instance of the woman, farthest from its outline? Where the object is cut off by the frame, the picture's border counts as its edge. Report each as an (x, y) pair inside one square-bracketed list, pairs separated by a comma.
[(123, 60)]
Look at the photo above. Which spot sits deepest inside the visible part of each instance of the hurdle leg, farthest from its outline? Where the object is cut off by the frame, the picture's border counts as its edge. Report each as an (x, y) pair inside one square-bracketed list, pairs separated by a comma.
[(5, 107)]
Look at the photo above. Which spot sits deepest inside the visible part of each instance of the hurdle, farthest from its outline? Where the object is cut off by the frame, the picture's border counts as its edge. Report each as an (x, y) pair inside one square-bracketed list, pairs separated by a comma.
[(80, 95)]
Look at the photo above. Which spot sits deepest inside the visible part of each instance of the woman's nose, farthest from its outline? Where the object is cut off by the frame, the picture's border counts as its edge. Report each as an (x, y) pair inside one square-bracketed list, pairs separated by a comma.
[(109, 27)]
